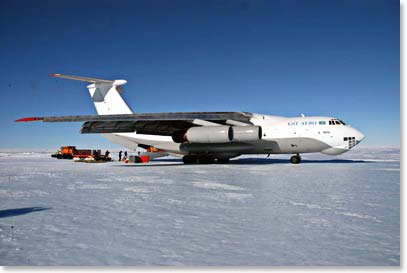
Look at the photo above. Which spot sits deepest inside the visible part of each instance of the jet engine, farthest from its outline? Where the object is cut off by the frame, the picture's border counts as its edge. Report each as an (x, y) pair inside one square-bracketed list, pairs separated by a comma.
[(219, 134), (246, 133), (209, 134)]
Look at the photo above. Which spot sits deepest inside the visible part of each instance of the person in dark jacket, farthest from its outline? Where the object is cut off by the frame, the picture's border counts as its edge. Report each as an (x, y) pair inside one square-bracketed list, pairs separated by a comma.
[(120, 156), (125, 154), (107, 154)]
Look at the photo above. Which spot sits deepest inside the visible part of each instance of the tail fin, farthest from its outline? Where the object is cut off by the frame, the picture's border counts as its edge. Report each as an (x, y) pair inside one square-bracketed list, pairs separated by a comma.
[(105, 94)]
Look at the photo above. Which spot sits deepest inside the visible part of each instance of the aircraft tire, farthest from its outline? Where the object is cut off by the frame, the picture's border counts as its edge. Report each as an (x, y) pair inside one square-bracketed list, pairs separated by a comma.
[(208, 159), (223, 160), (190, 159), (295, 159)]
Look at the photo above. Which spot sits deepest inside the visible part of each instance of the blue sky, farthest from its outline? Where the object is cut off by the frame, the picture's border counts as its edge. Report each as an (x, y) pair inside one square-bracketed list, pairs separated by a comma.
[(333, 58)]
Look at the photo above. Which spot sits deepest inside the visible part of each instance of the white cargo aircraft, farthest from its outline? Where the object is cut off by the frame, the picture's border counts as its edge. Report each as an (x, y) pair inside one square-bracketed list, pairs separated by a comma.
[(206, 137)]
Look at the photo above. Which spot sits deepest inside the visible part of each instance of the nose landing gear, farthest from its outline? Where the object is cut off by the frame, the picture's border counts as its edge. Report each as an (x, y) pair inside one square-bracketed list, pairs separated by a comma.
[(295, 159)]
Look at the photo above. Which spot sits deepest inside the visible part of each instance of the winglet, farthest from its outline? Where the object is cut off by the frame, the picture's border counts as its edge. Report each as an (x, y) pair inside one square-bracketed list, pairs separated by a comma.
[(29, 119)]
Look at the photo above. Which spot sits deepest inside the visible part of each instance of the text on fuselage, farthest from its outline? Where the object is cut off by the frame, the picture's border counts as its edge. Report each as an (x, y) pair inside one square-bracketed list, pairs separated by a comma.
[(296, 123)]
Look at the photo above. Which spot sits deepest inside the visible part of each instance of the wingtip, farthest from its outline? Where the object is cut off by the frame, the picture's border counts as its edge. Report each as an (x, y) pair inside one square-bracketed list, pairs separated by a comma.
[(28, 119)]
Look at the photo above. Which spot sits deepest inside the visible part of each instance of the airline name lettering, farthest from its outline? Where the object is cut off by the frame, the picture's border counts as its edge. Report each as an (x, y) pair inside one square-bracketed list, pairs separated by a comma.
[(295, 123)]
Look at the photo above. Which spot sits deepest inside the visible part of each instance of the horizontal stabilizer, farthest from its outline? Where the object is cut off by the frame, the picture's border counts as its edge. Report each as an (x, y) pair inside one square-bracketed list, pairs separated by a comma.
[(82, 79)]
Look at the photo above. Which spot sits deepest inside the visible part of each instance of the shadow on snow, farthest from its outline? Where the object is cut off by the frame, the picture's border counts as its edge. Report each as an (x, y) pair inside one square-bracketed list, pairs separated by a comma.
[(287, 161), (244, 161), (20, 211)]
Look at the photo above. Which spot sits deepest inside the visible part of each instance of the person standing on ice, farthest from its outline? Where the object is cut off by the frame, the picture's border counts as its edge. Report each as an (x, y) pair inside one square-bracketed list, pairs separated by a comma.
[(120, 156), (125, 154)]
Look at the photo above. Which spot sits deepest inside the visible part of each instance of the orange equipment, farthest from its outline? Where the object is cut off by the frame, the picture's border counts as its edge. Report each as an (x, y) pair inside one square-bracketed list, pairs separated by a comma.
[(145, 158), (153, 149), (69, 152)]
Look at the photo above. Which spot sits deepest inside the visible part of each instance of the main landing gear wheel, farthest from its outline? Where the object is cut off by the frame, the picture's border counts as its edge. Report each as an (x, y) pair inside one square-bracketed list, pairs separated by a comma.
[(190, 159), (193, 159), (223, 160), (207, 159), (295, 159)]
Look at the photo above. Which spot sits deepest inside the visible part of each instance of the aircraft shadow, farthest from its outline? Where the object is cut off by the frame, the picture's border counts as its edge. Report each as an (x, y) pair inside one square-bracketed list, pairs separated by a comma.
[(171, 162), (16, 212), (246, 161), (261, 161)]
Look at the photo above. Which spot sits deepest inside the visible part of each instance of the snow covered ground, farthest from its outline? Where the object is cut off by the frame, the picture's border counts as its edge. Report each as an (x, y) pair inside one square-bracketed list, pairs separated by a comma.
[(341, 210)]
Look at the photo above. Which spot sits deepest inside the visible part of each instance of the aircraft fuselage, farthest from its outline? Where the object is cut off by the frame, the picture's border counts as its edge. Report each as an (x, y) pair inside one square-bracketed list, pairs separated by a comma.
[(280, 135)]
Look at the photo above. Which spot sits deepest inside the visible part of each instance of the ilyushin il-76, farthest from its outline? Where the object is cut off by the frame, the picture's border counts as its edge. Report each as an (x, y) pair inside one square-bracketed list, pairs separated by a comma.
[(207, 137)]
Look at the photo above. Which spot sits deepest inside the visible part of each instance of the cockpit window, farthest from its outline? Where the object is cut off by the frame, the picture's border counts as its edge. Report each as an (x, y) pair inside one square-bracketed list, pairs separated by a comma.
[(336, 122)]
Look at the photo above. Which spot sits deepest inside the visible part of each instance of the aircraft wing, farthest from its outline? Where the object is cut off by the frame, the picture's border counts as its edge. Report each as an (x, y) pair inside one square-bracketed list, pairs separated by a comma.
[(149, 123)]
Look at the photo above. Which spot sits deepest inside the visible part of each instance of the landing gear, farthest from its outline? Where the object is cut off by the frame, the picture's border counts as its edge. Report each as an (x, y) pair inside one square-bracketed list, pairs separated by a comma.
[(223, 160), (190, 159), (295, 159), (203, 159), (207, 159)]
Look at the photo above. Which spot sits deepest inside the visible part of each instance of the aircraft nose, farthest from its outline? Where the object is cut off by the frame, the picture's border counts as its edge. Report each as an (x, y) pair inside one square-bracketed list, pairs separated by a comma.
[(359, 136)]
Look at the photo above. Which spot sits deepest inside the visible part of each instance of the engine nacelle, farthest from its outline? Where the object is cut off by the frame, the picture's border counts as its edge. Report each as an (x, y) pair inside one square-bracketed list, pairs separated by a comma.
[(219, 134), (246, 133), (209, 134)]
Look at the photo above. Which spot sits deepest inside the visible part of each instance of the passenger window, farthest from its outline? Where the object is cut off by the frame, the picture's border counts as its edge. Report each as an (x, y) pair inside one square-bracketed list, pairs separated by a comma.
[(322, 123)]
